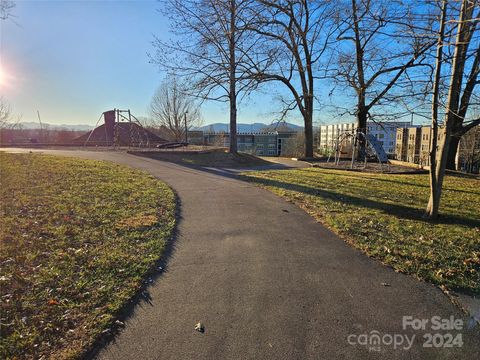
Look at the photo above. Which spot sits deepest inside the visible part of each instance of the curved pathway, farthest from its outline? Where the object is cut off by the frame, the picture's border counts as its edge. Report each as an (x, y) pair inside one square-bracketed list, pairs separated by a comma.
[(268, 282)]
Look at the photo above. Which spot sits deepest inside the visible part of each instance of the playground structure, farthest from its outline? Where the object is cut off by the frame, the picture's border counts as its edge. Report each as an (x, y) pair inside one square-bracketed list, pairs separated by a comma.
[(373, 148), (120, 128)]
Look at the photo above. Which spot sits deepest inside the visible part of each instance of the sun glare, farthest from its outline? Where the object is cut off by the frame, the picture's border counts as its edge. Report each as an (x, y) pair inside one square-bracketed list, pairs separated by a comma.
[(5, 79), (2, 77)]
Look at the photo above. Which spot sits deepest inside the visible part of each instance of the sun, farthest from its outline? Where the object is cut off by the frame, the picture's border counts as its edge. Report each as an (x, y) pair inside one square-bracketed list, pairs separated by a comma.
[(5, 78)]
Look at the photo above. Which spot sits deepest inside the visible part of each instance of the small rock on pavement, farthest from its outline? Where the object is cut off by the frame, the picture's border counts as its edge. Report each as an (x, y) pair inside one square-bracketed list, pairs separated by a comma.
[(199, 327), (385, 284)]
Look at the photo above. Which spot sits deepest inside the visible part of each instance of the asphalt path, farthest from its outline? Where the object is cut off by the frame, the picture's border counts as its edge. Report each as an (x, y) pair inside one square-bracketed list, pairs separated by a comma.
[(269, 282)]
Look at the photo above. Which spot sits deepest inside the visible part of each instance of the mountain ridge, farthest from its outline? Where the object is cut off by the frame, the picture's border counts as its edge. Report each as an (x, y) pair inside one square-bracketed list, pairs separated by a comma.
[(242, 127), (30, 125)]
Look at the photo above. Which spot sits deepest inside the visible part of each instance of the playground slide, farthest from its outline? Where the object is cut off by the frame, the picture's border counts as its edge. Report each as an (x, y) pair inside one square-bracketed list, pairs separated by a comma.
[(377, 147)]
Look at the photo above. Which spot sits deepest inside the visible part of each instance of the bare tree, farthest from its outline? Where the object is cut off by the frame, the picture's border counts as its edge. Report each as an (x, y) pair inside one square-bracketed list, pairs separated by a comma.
[(469, 55), (212, 50), (5, 112), (294, 146), (381, 41), (469, 150), (466, 25), (6, 8), (435, 105), (173, 108), (7, 120), (298, 34)]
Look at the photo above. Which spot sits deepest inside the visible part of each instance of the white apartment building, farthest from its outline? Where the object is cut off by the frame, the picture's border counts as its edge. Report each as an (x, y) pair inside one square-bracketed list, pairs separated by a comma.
[(385, 132)]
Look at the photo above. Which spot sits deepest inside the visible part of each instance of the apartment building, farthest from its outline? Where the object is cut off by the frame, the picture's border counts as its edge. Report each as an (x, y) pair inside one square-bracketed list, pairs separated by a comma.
[(385, 132), (413, 144), (425, 139), (330, 134), (401, 144)]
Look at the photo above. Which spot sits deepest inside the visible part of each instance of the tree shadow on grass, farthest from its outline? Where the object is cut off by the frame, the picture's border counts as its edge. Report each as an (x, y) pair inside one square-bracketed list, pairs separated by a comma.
[(142, 296), (393, 181), (400, 211)]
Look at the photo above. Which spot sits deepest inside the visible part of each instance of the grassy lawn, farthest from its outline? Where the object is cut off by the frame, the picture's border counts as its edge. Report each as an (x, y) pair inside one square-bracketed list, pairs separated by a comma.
[(382, 216), (77, 238)]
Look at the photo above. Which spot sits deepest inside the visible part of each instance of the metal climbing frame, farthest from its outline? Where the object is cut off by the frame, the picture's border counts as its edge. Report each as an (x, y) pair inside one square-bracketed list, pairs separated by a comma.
[(371, 142), (114, 126)]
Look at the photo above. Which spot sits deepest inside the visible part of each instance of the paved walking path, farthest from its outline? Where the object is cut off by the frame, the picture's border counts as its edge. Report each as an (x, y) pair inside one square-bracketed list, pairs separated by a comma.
[(268, 282)]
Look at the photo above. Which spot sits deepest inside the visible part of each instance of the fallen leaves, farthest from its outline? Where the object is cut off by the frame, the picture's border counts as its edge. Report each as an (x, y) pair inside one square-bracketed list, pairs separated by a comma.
[(381, 214), (199, 327), (59, 272)]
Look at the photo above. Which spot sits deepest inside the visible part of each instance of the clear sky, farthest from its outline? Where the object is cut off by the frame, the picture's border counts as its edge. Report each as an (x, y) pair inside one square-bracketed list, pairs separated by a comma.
[(72, 60)]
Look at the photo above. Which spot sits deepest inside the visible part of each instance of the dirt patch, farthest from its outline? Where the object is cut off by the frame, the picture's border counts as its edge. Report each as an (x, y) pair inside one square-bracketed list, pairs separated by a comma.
[(371, 167), (219, 158)]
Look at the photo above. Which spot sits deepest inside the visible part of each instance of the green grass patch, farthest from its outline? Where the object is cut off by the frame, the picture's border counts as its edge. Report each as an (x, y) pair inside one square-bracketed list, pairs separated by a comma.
[(77, 238), (381, 215)]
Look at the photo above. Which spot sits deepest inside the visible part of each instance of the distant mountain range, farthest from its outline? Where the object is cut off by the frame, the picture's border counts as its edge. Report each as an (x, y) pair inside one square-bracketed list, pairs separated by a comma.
[(216, 127), (36, 125), (255, 127)]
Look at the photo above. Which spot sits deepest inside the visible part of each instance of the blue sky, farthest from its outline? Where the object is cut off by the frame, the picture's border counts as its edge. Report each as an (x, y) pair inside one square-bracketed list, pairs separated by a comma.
[(72, 60)]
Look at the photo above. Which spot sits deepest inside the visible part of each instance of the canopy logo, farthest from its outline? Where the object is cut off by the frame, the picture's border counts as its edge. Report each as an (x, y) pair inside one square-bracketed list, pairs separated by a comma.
[(437, 332), (374, 340)]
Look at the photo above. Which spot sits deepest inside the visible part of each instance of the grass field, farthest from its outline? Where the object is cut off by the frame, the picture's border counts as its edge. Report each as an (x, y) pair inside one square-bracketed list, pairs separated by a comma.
[(77, 239), (382, 215)]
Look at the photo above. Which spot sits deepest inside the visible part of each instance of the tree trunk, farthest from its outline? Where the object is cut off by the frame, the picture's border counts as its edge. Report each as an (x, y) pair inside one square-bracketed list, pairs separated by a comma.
[(359, 144), (438, 168), (361, 127), (233, 80), (452, 153), (435, 191), (308, 134), (233, 121)]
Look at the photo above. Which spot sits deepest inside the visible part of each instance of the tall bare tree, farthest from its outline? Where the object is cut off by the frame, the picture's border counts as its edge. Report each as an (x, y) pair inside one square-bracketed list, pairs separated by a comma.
[(297, 33), (433, 200), (173, 108), (381, 41), (466, 23), (211, 48), (469, 55)]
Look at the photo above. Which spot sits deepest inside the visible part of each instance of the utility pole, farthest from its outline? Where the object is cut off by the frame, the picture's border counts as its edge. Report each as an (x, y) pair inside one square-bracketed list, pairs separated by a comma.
[(186, 128), (41, 127)]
